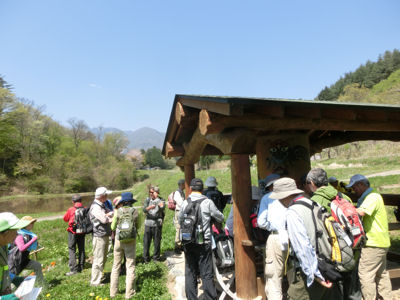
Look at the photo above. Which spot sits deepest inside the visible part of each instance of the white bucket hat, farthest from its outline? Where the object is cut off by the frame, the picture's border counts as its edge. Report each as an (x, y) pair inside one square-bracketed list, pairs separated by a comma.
[(284, 187)]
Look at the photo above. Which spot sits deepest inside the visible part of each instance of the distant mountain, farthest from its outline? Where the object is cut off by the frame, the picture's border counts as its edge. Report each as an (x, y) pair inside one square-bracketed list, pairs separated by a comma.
[(142, 138)]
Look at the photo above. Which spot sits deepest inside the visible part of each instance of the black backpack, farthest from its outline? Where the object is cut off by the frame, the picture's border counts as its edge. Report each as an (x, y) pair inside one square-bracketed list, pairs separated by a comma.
[(191, 220), (217, 197), (17, 260), (82, 223)]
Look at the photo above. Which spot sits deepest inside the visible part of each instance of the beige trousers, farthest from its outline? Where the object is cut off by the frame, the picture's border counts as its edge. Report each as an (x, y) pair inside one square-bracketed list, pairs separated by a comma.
[(178, 229), (373, 274), (274, 267), (100, 248), (129, 249)]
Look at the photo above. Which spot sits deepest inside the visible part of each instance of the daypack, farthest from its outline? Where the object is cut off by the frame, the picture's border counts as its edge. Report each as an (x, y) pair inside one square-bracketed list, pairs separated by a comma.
[(216, 197), (191, 224), (259, 234), (224, 250), (82, 223), (346, 214), (126, 228), (17, 260), (333, 245), (171, 201)]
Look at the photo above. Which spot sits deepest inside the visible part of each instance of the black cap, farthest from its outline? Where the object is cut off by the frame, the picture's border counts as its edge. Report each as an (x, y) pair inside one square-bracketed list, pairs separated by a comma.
[(76, 198), (196, 184)]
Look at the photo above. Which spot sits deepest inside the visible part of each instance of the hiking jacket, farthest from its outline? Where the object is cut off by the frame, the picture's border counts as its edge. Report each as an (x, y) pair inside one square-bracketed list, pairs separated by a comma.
[(69, 216), (99, 219), (154, 216), (324, 196), (209, 212)]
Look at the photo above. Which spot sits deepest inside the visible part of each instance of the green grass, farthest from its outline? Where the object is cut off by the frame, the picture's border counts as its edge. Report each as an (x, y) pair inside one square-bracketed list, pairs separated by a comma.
[(151, 278)]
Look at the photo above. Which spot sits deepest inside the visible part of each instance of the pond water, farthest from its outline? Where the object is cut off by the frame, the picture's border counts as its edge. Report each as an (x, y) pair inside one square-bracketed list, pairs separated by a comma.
[(32, 205)]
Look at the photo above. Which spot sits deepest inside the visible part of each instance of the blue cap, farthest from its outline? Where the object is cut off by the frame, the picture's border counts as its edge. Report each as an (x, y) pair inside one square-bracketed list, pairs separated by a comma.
[(356, 178), (270, 179)]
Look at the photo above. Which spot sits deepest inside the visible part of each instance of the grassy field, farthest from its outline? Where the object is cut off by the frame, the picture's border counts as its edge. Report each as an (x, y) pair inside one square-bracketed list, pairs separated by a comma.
[(152, 277)]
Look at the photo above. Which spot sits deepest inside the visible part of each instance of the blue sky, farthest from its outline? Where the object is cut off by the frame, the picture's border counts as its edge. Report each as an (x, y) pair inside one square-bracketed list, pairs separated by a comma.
[(120, 63)]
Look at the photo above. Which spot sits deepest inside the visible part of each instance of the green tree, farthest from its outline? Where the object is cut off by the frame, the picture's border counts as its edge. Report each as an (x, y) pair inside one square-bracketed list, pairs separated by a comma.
[(153, 158)]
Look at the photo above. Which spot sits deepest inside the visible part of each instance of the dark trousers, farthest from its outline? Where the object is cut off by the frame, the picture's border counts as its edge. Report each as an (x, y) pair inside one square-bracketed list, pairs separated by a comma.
[(151, 233), (198, 259), (298, 289), (73, 241)]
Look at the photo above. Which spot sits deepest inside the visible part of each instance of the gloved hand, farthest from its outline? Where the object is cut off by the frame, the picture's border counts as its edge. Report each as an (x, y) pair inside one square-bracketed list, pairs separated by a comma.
[(9, 297)]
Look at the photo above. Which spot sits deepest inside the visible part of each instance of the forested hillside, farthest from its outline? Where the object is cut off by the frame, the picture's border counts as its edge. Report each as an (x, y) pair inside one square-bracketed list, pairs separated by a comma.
[(39, 155), (376, 82)]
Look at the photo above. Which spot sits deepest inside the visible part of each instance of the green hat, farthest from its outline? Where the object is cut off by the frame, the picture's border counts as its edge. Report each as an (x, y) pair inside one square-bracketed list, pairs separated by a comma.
[(10, 221)]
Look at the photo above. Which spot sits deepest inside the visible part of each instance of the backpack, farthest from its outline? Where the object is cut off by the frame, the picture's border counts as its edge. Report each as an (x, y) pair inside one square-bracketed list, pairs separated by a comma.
[(216, 197), (127, 216), (259, 234), (346, 214), (82, 223), (191, 224), (17, 260), (224, 251), (171, 201), (333, 245)]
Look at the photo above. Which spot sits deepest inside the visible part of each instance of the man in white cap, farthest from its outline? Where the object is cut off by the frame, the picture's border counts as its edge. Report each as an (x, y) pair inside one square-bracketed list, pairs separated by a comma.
[(101, 218), (9, 224), (308, 283), (270, 217), (374, 277)]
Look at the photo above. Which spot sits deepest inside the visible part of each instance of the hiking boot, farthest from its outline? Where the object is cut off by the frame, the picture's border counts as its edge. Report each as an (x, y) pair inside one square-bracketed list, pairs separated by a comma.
[(71, 273)]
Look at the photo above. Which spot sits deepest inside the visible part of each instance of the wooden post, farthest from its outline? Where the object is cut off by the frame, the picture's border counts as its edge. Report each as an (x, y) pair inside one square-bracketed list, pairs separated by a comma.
[(189, 175), (245, 267)]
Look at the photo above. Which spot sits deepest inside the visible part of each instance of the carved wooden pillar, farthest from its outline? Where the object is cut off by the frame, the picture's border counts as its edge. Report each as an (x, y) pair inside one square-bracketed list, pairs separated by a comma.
[(189, 175), (287, 155), (245, 268)]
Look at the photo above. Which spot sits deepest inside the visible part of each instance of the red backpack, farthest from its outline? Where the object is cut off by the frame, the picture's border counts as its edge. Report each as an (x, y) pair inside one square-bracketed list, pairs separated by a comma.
[(346, 214), (171, 201)]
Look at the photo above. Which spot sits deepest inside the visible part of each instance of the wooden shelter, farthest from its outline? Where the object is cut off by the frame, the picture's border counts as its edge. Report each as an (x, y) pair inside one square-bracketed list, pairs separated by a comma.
[(283, 133)]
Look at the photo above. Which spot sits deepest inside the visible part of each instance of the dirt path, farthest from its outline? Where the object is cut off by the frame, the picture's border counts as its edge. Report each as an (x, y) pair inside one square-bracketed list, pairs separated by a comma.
[(386, 173), (48, 218)]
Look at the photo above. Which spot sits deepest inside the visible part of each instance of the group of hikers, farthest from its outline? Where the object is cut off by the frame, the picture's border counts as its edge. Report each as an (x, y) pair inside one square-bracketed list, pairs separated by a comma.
[(315, 241), (318, 243)]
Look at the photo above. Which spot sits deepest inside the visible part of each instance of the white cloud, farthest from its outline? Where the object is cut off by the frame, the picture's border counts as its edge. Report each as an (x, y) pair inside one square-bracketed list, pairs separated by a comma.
[(95, 86)]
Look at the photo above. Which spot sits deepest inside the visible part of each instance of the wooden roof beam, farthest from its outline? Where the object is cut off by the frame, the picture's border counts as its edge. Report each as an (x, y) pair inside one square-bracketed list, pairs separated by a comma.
[(340, 138), (173, 150), (234, 141), (211, 123), (193, 149), (222, 108)]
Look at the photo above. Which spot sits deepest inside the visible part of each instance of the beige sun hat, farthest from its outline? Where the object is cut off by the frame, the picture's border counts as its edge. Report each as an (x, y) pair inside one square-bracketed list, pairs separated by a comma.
[(29, 219), (284, 187)]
